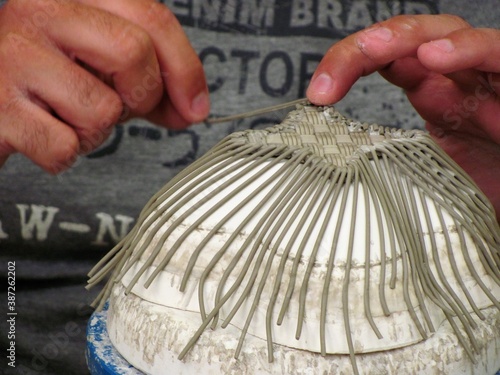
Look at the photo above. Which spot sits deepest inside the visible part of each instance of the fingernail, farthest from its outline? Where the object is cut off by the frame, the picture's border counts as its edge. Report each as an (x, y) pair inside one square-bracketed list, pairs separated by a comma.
[(381, 33), (200, 104), (322, 83), (444, 45)]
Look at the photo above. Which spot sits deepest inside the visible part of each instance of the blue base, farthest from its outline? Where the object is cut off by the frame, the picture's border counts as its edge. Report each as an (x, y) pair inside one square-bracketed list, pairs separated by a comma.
[(102, 357)]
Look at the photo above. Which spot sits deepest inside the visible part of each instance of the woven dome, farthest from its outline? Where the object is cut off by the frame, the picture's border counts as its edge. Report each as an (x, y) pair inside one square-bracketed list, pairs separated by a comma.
[(322, 234)]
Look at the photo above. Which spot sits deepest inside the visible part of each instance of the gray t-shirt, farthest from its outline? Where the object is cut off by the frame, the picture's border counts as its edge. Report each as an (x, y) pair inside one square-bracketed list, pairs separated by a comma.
[(255, 53)]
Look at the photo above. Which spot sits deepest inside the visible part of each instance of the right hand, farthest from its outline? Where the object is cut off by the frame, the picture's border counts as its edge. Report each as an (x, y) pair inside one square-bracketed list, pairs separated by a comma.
[(450, 74), (70, 70)]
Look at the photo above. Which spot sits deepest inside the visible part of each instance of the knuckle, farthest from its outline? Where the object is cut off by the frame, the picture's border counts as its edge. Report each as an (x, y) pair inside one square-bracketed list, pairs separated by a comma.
[(82, 85), (416, 23), (89, 94), (92, 140), (458, 21), (34, 139), (109, 110), (106, 115), (94, 135), (63, 157), (134, 45), (409, 23), (158, 16), (92, 96)]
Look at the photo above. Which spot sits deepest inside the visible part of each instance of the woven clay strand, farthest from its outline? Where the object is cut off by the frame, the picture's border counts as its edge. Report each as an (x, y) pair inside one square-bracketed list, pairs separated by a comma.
[(329, 165)]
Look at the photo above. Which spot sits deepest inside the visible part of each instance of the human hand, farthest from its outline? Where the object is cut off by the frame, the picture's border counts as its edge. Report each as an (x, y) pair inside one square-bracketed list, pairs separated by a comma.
[(70, 70), (449, 72)]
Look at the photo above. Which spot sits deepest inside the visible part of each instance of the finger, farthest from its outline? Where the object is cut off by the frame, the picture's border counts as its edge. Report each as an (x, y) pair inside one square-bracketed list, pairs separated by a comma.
[(372, 49), (463, 49), (408, 72), (113, 46), (442, 100), (450, 106), (30, 130), (76, 96), (181, 69), (167, 114)]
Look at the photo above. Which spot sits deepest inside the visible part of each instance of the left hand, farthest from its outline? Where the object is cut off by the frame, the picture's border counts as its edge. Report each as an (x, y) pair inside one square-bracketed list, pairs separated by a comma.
[(72, 69), (449, 72)]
